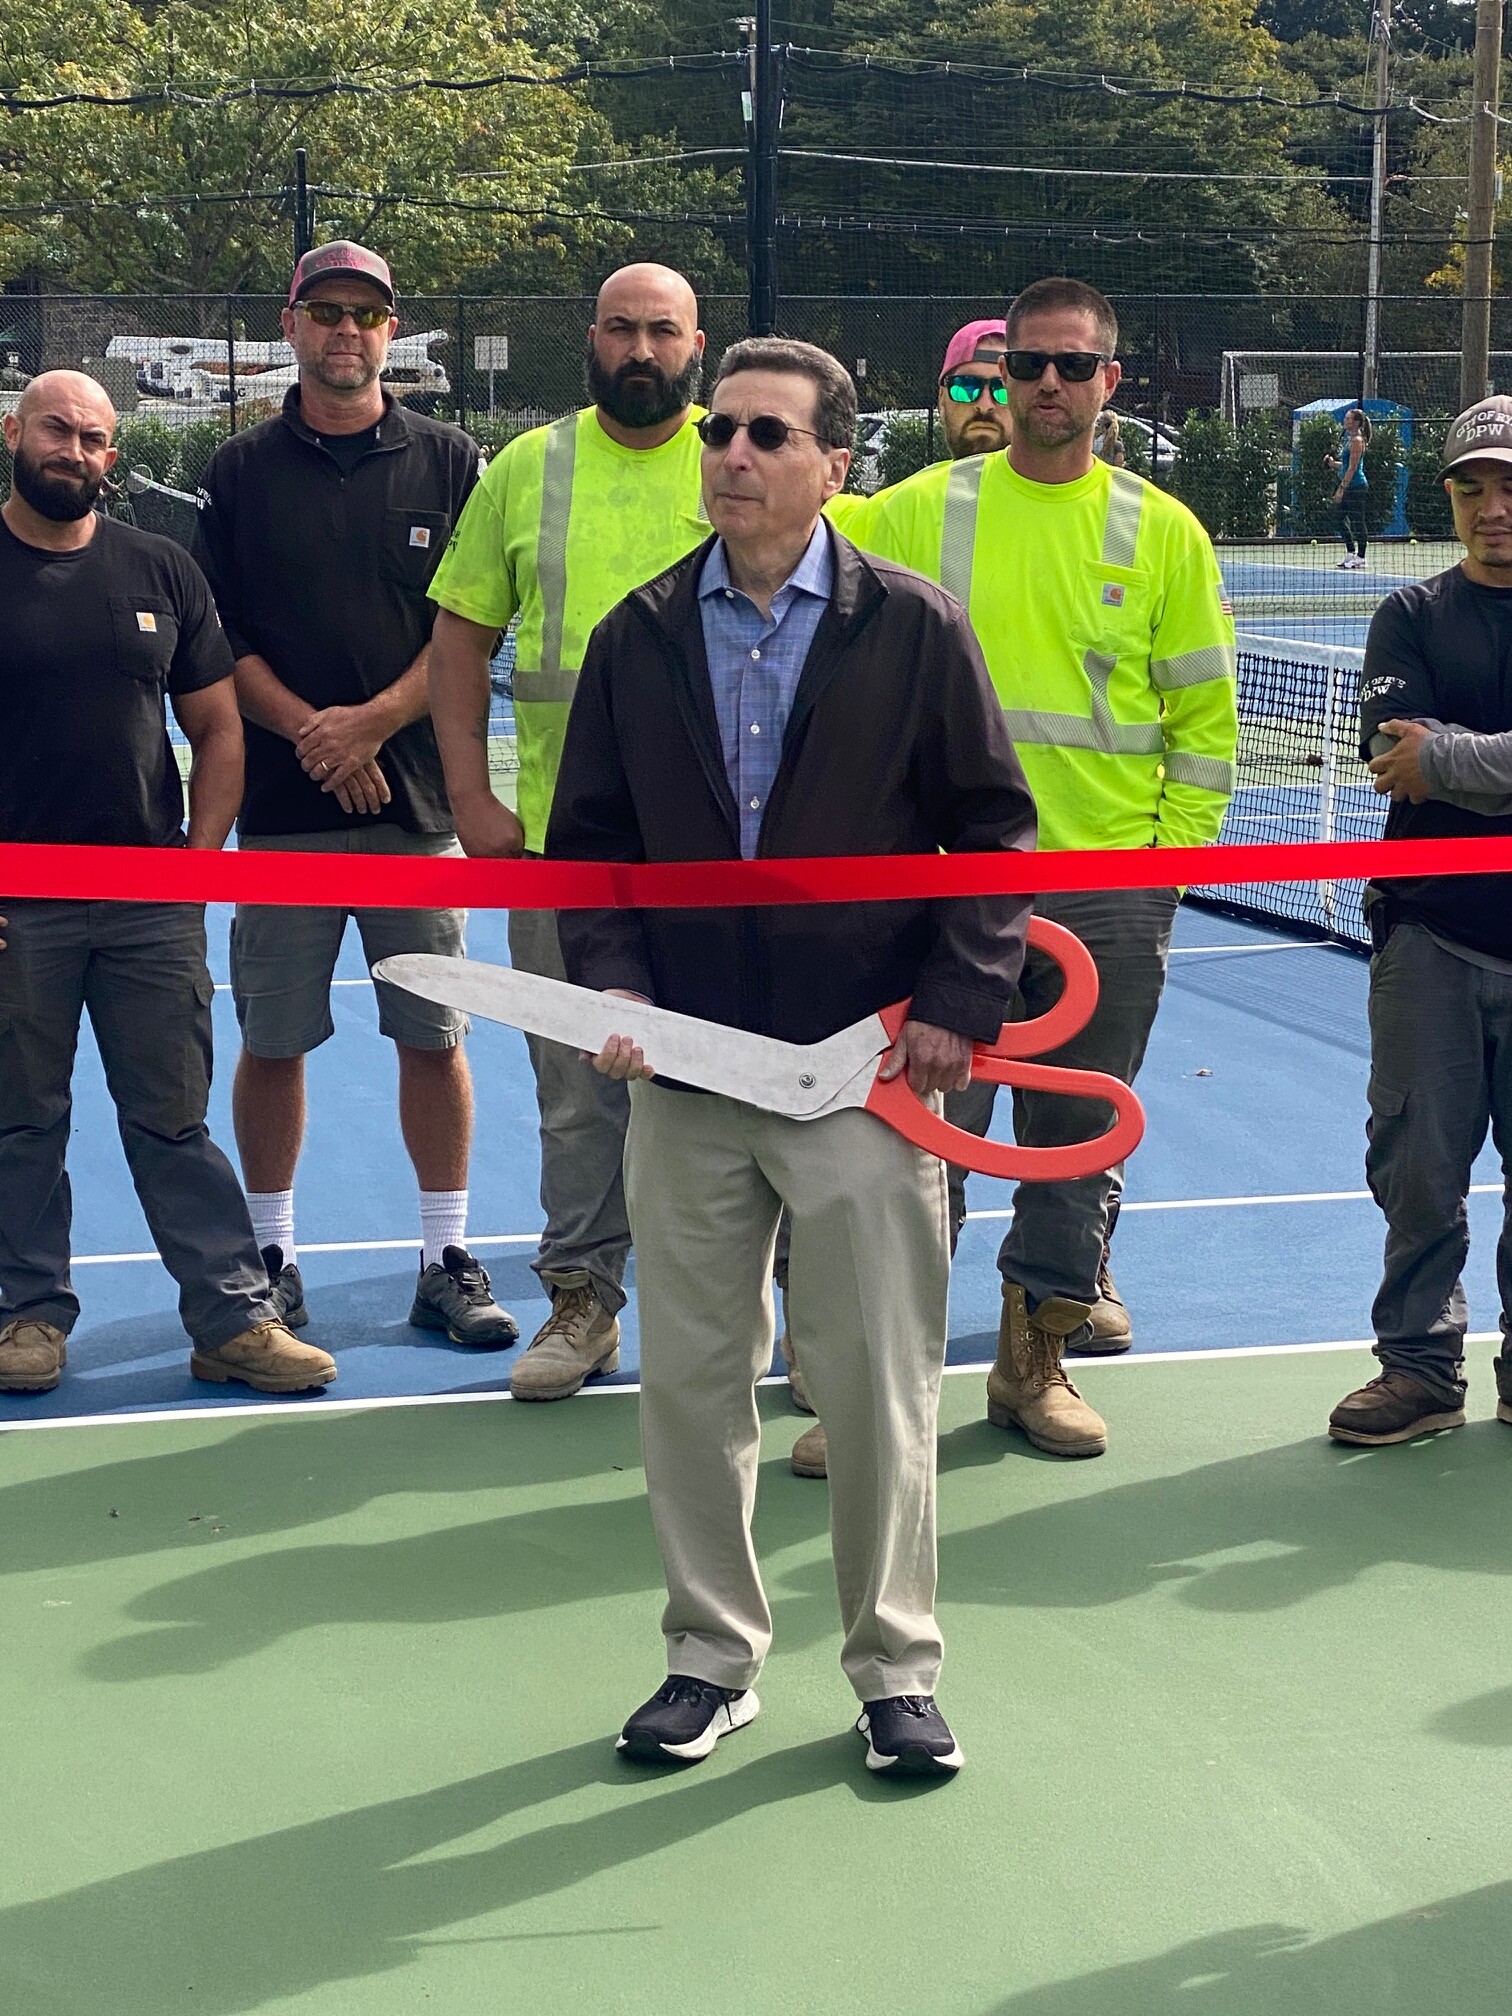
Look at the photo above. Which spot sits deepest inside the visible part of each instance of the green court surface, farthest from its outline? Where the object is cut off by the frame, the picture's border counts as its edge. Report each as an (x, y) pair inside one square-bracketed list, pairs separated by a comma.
[(314, 1714)]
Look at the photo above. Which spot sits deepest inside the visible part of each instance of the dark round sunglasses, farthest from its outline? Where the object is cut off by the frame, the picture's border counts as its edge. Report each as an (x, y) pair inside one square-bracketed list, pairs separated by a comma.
[(766, 432), (1077, 367), (967, 391), (329, 313)]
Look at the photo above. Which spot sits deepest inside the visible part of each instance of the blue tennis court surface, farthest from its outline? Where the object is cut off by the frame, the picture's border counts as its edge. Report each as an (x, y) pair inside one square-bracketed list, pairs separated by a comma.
[(1246, 1221)]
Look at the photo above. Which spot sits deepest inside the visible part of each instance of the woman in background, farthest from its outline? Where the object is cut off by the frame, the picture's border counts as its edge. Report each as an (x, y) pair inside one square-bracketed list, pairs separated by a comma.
[(1353, 491)]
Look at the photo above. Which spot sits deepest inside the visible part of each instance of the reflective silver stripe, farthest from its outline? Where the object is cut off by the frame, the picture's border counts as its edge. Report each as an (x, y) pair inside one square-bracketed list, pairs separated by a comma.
[(551, 549), (1193, 668), (1075, 731), (1121, 531), (1206, 772), (963, 490), (1118, 738), (535, 686)]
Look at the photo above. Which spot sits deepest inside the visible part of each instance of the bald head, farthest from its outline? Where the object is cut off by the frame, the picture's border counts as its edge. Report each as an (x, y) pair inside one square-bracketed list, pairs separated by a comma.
[(72, 392), (59, 439), (645, 353)]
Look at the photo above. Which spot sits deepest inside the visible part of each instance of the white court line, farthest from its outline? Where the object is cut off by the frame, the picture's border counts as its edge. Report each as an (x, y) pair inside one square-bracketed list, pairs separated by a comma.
[(533, 1238), (224, 986), (318, 1409), (1249, 951)]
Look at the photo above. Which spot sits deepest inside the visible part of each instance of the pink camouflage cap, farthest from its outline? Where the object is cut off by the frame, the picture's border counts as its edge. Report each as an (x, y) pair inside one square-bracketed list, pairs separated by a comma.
[(330, 262), (977, 343)]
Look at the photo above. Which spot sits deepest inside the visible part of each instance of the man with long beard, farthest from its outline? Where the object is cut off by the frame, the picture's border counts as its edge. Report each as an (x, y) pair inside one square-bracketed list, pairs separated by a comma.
[(567, 520), (101, 622)]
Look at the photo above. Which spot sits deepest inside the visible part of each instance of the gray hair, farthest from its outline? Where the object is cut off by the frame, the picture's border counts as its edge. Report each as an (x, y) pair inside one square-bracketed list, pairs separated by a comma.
[(834, 393)]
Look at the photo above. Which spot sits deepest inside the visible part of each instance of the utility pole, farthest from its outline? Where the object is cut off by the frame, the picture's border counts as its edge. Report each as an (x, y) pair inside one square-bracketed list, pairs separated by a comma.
[(1380, 36), (763, 117), (304, 235), (1480, 233)]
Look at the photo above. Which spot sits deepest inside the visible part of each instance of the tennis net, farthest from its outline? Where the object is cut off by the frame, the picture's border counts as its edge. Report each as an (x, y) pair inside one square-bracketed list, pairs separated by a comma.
[(1299, 778)]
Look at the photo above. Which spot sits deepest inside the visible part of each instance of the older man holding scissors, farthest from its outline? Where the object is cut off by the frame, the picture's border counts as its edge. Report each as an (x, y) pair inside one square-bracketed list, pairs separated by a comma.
[(776, 693)]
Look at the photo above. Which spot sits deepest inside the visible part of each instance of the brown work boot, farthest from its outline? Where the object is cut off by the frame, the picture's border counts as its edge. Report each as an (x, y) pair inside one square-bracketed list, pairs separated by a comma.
[(797, 1391), (578, 1339), (810, 1457), (1027, 1388), (267, 1357), (1107, 1331), (32, 1356), (1393, 1408)]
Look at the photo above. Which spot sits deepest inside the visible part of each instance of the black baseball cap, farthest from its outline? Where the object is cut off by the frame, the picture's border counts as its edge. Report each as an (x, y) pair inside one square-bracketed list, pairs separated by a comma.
[(1482, 433)]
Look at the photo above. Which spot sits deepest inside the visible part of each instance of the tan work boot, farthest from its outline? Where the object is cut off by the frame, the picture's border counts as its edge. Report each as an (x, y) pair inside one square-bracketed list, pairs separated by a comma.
[(578, 1339), (797, 1391), (810, 1457), (1107, 1331), (267, 1357), (1027, 1388), (32, 1356)]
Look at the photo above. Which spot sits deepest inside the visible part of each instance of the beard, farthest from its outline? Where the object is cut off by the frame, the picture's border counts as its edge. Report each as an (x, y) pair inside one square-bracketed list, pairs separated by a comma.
[(642, 395), (1050, 430), (345, 372), (63, 499)]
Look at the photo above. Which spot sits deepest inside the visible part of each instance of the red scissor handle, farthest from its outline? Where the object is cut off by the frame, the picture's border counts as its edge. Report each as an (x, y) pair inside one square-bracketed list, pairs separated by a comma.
[(894, 1100)]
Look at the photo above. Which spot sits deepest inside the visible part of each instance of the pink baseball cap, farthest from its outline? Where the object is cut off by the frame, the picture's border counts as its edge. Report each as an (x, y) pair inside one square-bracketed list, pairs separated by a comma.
[(330, 262), (977, 343)]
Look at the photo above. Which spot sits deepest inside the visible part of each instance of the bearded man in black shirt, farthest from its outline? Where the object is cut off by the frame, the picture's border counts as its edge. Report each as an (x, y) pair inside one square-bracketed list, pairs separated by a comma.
[(101, 621), (1436, 727)]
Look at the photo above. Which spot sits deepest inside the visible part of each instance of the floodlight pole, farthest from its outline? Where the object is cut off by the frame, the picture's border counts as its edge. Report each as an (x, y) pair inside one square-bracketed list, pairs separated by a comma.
[(763, 119), (303, 235), (1380, 35), (1480, 231)]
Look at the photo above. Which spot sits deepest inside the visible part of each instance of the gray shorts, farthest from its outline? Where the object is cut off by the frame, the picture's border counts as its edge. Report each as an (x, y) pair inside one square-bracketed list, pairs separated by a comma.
[(282, 959)]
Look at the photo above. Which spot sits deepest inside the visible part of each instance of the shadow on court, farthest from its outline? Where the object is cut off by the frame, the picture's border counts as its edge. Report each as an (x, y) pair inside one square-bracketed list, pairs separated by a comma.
[(1325, 1516), (1448, 1956), (341, 1899)]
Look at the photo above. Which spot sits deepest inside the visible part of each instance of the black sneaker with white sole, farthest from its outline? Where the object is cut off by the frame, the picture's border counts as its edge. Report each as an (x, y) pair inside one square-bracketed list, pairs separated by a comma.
[(286, 1289), (907, 1734), (684, 1719), (456, 1296)]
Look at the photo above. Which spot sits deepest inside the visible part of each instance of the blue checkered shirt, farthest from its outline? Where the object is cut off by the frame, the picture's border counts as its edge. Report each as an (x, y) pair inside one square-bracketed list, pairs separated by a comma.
[(754, 663)]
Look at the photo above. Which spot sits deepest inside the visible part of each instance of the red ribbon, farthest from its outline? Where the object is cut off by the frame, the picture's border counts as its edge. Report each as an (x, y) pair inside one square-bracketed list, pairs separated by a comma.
[(416, 882)]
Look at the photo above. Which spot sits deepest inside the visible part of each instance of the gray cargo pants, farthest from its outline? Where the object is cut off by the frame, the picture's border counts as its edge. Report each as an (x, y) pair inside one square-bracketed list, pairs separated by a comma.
[(139, 968), (583, 1122), (1055, 1243), (1440, 1074)]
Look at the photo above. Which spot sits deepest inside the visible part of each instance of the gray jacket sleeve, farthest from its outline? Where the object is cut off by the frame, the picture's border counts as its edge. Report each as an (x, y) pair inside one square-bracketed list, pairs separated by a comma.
[(1467, 769)]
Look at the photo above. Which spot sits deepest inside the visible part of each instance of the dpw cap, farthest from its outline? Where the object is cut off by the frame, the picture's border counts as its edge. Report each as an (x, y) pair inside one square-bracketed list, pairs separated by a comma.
[(1482, 433), (333, 261), (977, 343)]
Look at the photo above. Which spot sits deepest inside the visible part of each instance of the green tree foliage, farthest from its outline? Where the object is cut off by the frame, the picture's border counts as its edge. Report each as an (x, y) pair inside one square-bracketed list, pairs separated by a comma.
[(1428, 512)]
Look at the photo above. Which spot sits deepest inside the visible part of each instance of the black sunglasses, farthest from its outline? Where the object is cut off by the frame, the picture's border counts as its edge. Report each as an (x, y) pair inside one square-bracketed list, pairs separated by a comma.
[(1075, 366), (766, 431), (967, 391), (329, 313)]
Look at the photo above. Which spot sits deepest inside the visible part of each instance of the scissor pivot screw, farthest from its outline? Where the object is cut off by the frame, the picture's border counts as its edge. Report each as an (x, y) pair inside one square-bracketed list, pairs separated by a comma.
[(806, 1080)]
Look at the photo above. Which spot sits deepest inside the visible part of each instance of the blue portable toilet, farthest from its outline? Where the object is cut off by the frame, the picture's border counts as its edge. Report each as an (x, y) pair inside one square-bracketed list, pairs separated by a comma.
[(1376, 411)]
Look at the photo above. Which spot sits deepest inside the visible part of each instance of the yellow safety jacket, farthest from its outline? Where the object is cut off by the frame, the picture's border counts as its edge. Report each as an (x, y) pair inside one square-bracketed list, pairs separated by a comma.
[(1101, 614), (563, 524)]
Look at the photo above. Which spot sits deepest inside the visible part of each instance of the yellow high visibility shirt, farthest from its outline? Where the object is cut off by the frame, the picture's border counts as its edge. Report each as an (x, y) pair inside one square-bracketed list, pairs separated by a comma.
[(563, 525), (1102, 616)]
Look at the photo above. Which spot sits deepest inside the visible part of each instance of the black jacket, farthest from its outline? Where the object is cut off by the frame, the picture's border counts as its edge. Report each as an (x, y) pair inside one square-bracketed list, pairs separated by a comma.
[(896, 744), (324, 575)]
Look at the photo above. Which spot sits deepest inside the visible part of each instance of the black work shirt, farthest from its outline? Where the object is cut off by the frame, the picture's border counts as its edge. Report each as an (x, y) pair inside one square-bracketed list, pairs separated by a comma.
[(323, 574), (1441, 650), (90, 643)]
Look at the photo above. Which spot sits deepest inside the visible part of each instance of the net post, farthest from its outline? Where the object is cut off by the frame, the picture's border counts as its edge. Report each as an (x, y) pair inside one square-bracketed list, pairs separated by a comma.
[(1328, 799)]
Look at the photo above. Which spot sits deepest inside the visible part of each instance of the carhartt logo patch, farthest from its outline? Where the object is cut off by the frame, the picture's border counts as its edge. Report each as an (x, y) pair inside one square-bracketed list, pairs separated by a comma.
[(419, 535), (146, 621), (1113, 594)]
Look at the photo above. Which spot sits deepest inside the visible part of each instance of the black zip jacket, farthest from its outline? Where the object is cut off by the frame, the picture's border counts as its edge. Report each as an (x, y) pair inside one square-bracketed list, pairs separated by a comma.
[(896, 744)]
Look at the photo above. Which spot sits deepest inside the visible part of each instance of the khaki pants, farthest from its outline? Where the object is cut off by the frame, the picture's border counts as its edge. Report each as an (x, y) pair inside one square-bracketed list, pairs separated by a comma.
[(706, 1180)]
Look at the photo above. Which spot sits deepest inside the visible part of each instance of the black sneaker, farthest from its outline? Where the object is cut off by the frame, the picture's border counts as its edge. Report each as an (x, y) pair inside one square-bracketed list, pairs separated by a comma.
[(906, 1733), (684, 1719), (455, 1297), (285, 1289)]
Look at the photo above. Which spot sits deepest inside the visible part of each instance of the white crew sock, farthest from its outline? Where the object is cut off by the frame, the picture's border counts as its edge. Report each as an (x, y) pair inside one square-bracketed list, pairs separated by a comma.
[(273, 1220), (443, 1223)]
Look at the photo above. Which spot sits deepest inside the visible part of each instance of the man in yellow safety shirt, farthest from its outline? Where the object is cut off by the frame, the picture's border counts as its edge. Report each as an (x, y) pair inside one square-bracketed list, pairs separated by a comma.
[(1100, 609), (565, 522)]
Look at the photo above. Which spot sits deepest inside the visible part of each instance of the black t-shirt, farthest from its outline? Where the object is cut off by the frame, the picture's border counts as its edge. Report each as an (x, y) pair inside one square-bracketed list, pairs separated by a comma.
[(1442, 650), (90, 643), (323, 571)]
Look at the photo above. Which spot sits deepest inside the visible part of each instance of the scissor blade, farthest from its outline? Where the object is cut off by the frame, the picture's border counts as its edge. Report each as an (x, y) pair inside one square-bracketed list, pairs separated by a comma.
[(791, 1078)]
